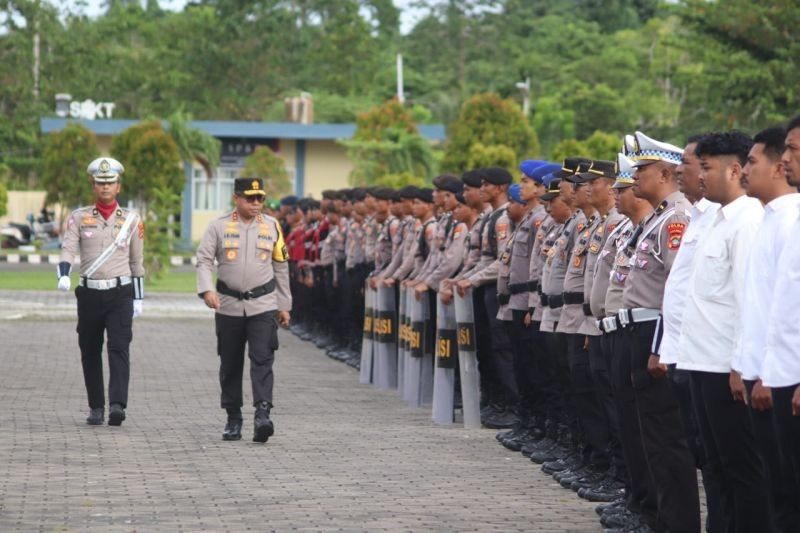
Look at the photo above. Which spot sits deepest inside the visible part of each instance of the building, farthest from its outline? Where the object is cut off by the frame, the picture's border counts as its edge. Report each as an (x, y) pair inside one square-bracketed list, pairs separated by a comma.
[(313, 158)]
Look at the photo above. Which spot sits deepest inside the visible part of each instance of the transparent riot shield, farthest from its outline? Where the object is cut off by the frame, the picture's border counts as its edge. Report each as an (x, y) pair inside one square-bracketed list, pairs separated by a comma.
[(468, 360)]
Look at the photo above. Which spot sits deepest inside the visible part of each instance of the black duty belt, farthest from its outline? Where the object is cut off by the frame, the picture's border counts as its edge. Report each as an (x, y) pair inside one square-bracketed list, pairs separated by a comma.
[(519, 288), (503, 299), (573, 298), (545, 299), (256, 292), (587, 309), (554, 301)]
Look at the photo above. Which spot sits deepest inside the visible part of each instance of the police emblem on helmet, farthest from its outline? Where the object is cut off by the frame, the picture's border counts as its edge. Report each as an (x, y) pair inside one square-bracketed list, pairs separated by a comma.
[(254, 185), (104, 166)]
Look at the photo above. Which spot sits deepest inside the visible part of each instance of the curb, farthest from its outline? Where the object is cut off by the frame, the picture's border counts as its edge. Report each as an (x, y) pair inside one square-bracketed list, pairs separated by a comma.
[(52, 259)]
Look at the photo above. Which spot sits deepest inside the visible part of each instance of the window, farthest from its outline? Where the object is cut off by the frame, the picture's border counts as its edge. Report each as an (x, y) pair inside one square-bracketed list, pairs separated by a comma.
[(213, 194)]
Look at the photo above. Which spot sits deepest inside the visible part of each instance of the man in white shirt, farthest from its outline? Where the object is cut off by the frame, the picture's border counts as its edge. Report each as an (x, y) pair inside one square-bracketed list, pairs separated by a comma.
[(677, 287), (780, 369), (710, 329), (764, 180)]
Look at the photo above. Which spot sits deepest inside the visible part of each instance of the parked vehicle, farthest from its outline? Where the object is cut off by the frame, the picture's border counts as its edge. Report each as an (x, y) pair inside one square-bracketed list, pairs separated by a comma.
[(42, 228)]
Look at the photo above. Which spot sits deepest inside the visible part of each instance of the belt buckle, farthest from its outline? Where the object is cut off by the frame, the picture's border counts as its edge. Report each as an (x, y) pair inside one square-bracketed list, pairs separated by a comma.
[(623, 317), (247, 295)]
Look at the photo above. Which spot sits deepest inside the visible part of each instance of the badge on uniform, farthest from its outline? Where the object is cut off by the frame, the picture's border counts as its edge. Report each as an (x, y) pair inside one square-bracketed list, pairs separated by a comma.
[(642, 263), (675, 234), (537, 223), (141, 230), (577, 261), (594, 247), (600, 231), (502, 229), (230, 255), (644, 246)]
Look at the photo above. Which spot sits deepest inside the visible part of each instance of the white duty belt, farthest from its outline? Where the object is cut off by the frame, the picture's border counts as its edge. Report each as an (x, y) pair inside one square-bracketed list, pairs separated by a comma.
[(638, 314)]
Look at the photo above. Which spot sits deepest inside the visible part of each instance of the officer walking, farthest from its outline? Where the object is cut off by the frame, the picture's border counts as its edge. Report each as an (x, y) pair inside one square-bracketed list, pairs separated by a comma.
[(109, 240), (251, 298)]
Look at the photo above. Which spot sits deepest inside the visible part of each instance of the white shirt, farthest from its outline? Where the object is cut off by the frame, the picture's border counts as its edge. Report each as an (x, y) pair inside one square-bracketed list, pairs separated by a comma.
[(677, 286), (710, 328), (781, 366), (779, 217)]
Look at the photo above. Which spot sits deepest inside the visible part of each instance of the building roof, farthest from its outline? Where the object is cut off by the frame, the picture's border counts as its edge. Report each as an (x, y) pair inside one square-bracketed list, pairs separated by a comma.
[(264, 130)]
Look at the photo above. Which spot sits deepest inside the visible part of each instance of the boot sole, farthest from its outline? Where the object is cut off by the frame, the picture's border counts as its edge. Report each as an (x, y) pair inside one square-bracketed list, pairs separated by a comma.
[(115, 419), (95, 422), (232, 437), (263, 433)]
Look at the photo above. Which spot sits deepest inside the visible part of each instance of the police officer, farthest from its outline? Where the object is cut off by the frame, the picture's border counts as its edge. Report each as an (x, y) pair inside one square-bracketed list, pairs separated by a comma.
[(251, 298), (495, 234), (109, 240), (669, 458)]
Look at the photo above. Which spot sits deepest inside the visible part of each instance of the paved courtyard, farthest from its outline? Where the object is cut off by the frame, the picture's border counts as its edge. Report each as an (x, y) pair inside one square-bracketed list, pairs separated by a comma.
[(345, 457)]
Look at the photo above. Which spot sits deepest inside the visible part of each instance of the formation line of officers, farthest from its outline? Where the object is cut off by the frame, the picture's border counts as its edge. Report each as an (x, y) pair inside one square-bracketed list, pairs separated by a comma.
[(635, 321)]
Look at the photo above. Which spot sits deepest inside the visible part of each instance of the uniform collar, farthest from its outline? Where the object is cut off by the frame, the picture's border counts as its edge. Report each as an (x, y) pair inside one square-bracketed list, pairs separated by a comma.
[(785, 201)]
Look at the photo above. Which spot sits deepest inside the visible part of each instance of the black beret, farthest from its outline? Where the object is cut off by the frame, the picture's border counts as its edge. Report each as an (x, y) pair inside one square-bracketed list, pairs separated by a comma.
[(289, 200), (409, 191), (383, 193), (460, 198), (425, 194), (448, 182), (359, 194), (473, 178), (497, 176), (370, 191), (346, 194), (328, 194)]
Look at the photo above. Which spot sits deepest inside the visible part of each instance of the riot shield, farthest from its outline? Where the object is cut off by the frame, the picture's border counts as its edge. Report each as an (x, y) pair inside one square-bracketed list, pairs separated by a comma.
[(416, 339), (444, 372), (385, 348), (365, 373), (429, 347), (401, 341), (468, 360)]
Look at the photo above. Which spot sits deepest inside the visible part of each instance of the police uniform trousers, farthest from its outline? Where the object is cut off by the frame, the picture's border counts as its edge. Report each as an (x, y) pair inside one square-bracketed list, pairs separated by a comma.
[(640, 493), (716, 518), (527, 342), (559, 354), (548, 397), (502, 356), (666, 448), (260, 334), (483, 347), (105, 312), (730, 445), (599, 362), (787, 428), (777, 469), (592, 422)]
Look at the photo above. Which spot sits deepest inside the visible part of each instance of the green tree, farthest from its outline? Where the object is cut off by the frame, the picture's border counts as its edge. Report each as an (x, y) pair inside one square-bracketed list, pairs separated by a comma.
[(489, 120), (265, 164), (194, 144), (66, 155), (387, 141), (151, 159), (496, 155), (3, 190), (396, 181)]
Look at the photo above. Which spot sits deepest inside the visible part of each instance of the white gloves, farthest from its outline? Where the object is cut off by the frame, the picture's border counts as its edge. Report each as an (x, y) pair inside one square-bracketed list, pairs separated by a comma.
[(137, 308), (64, 283)]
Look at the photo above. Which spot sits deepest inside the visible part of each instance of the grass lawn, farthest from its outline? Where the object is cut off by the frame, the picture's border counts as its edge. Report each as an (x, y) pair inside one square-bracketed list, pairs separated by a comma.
[(46, 281)]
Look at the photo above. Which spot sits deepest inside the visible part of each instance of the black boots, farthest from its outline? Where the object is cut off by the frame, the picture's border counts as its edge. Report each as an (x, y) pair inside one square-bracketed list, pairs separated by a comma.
[(96, 416), (262, 425), (233, 428), (116, 415)]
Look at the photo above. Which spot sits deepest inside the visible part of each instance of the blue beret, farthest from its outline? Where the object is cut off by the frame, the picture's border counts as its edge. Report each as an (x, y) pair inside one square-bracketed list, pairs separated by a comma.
[(513, 194), (542, 171), (289, 200), (528, 166)]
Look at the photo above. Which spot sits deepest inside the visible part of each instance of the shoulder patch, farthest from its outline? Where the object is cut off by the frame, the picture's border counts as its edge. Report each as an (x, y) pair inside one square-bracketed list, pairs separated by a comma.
[(141, 229), (580, 227), (675, 232)]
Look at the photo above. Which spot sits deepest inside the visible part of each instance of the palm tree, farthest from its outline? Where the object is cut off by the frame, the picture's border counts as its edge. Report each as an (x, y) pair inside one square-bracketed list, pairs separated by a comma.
[(194, 144)]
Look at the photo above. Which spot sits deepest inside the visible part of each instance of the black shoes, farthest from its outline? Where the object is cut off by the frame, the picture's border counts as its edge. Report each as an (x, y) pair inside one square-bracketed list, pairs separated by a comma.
[(233, 429), (96, 416), (262, 425), (116, 415)]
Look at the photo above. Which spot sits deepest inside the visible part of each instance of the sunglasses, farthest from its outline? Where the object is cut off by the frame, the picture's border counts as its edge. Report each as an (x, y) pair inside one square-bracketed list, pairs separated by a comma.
[(256, 198)]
